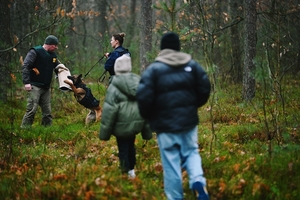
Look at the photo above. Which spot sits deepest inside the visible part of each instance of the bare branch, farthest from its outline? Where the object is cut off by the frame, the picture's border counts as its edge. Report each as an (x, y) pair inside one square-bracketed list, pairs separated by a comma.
[(29, 34)]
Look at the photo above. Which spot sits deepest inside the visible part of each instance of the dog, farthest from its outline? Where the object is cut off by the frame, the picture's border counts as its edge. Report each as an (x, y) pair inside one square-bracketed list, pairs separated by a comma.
[(84, 96)]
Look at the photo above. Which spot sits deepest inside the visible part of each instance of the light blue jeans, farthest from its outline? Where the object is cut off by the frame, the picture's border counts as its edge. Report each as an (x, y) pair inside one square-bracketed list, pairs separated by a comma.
[(180, 150)]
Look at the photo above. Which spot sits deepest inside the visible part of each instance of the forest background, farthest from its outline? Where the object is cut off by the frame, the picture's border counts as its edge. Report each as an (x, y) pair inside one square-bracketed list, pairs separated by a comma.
[(249, 132)]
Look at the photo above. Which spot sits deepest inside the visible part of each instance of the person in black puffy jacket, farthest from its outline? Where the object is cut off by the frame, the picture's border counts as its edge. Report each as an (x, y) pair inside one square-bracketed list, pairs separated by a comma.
[(170, 92)]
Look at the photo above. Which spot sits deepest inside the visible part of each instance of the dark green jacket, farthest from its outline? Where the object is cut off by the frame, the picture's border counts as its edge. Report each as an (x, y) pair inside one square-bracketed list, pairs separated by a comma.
[(44, 61), (120, 114)]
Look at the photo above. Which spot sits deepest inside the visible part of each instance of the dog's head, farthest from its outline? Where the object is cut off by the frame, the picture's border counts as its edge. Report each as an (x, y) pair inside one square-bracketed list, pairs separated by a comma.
[(77, 80)]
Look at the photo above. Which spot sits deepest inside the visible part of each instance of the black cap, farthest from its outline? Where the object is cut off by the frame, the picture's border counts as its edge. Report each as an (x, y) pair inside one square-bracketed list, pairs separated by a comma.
[(170, 41), (51, 40)]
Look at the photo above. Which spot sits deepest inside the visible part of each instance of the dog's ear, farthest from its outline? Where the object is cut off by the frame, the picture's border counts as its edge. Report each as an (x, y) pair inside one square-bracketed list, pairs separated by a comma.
[(78, 80)]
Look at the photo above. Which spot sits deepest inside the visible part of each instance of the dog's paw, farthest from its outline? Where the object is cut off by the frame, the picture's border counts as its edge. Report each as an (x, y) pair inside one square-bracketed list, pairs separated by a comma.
[(68, 82), (90, 118)]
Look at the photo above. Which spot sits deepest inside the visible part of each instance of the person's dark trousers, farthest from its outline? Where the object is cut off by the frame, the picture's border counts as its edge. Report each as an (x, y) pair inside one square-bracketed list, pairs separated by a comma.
[(126, 153)]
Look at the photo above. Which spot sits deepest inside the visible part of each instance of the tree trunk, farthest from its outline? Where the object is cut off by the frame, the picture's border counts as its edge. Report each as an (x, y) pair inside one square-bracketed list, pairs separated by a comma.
[(297, 68), (5, 56), (250, 51), (101, 23), (217, 51), (236, 53), (131, 26), (146, 33)]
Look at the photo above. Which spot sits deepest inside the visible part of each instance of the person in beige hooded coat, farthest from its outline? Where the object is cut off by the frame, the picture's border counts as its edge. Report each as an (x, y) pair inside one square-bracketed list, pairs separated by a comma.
[(120, 114)]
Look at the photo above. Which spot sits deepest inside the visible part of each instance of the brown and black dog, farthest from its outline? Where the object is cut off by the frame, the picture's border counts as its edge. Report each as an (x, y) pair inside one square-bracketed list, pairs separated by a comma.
[(84, 96)]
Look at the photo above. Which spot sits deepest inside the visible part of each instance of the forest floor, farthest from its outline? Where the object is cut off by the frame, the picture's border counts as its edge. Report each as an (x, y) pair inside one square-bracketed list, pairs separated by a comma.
[(249, 150)]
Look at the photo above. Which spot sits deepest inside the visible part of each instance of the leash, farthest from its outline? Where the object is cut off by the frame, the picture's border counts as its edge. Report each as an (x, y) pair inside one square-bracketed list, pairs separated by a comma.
[(102, 77), (93, 66)]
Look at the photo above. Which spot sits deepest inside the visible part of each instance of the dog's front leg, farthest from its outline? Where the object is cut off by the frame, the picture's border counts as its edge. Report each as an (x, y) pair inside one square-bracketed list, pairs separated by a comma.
[(71, 85)]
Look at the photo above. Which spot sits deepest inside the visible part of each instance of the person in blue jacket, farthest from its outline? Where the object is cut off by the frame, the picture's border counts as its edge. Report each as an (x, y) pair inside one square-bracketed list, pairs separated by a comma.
[(116, 43), (169, 94)]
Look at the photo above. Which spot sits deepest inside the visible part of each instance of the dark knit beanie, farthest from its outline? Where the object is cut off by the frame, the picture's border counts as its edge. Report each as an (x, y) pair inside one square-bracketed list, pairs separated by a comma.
[(51, 40), (170, 41)]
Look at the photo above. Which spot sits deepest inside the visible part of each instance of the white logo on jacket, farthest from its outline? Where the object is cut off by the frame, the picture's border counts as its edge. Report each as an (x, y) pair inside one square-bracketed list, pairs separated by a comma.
[(188, 69)]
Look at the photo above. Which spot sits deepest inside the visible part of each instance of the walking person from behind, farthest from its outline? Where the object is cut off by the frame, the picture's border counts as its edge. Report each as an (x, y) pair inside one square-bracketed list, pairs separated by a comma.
[(116, 43), (37, 71), (120, 114), (169, 94)]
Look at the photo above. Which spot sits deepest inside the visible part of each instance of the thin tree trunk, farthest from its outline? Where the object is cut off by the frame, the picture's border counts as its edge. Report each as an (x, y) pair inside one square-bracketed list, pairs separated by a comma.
[(131, 26), (250, 51), (103, 27), (146, 33), (236, 53), (5, 56)]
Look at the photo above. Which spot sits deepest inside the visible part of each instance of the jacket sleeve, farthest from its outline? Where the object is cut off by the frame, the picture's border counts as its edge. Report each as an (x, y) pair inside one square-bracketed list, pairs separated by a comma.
[(146, 94), (56, 69), (110, 62), (203, 85), (109, 115), (28, 65)]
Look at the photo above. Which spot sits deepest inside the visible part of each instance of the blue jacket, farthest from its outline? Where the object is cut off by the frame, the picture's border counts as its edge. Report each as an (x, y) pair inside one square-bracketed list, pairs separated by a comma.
[(110, 62), (171, 90)]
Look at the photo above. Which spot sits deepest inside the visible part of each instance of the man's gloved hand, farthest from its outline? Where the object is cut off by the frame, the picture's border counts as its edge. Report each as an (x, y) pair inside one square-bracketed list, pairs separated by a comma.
[(28, 87)]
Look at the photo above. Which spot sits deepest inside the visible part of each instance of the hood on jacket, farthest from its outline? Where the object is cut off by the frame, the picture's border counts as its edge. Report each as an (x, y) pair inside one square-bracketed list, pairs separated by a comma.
[(127, 84), (173, 58), (123, 65)]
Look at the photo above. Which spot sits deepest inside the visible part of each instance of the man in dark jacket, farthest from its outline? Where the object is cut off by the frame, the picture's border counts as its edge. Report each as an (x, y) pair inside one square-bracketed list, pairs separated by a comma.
[(37, 72), (169, 94)]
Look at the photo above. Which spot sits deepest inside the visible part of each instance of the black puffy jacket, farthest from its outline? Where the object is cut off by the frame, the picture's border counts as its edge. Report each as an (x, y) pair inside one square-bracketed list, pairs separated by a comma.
[(171, 90)]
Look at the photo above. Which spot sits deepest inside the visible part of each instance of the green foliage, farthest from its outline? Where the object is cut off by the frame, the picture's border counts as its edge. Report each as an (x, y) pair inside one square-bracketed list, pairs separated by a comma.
[(172, 9)]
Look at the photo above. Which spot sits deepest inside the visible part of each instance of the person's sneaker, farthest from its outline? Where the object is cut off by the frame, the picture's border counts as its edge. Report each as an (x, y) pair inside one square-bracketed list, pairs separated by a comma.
[(200, 191), (131, 174)]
